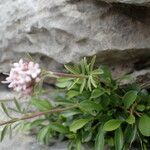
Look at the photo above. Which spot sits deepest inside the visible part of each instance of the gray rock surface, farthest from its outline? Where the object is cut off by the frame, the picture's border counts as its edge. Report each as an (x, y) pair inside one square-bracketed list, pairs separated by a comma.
[(26, 142), (66, 30), (136, 2)]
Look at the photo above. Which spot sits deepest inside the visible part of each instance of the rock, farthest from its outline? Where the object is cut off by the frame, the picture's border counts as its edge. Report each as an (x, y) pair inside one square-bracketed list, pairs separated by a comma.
[(142, 77), (135, 2), (65, 30), (27, 142)]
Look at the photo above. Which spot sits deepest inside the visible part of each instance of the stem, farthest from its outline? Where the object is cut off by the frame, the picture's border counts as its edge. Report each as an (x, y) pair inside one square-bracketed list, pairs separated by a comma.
[(58, 74), (36, 114), (138, 114), (132, 108)]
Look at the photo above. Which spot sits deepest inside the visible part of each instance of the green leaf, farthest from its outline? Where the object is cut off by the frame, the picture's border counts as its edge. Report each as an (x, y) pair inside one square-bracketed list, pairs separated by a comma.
[(42, 105), (70, 113), (145, 146), (59, 128), (87, 66), (63, 84), (17, 105), (112, 124), (99, 142), (129, 98), (42, 133), (140, 107), (76, 67), (89, 84), (75, 81), (63, 79), (86, 136), (92, 63), (133, 135), (105, 101), (110, 142), (83, 85), (93, 82), (78, 124), (144, 125), (72, 93), (4, 132), (25, 127), (130, 134), (10, 131), (71, 69), (97, 93), (119, 139), (78, 144), (36, 123), (97, 71), (89, 106), (106, 73), (130, 119), (82, 63), (5, 110)]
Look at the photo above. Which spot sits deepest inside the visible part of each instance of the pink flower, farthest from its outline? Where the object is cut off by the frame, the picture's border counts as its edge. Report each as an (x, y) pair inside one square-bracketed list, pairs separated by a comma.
[(23, 76), (33, 69)]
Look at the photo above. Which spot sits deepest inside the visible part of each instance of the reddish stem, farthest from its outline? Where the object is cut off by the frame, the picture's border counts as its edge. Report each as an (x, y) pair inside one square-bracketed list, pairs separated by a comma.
[(37, 114)]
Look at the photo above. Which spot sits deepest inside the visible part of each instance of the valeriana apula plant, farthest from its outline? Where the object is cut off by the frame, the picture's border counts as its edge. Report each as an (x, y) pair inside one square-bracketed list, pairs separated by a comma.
[(89, 108)]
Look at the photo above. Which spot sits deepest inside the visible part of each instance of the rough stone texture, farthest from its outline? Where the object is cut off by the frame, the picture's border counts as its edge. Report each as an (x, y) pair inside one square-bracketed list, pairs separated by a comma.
[(136, 2), (66, 30), (26, 142)]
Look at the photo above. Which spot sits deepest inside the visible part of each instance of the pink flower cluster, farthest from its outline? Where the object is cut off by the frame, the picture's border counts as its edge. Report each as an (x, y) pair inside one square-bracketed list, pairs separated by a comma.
[(23, 76)]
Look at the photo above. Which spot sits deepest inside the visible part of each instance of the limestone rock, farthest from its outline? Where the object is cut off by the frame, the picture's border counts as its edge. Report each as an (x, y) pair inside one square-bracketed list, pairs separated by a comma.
[(26, 142), (65, 30), (136, 2)]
